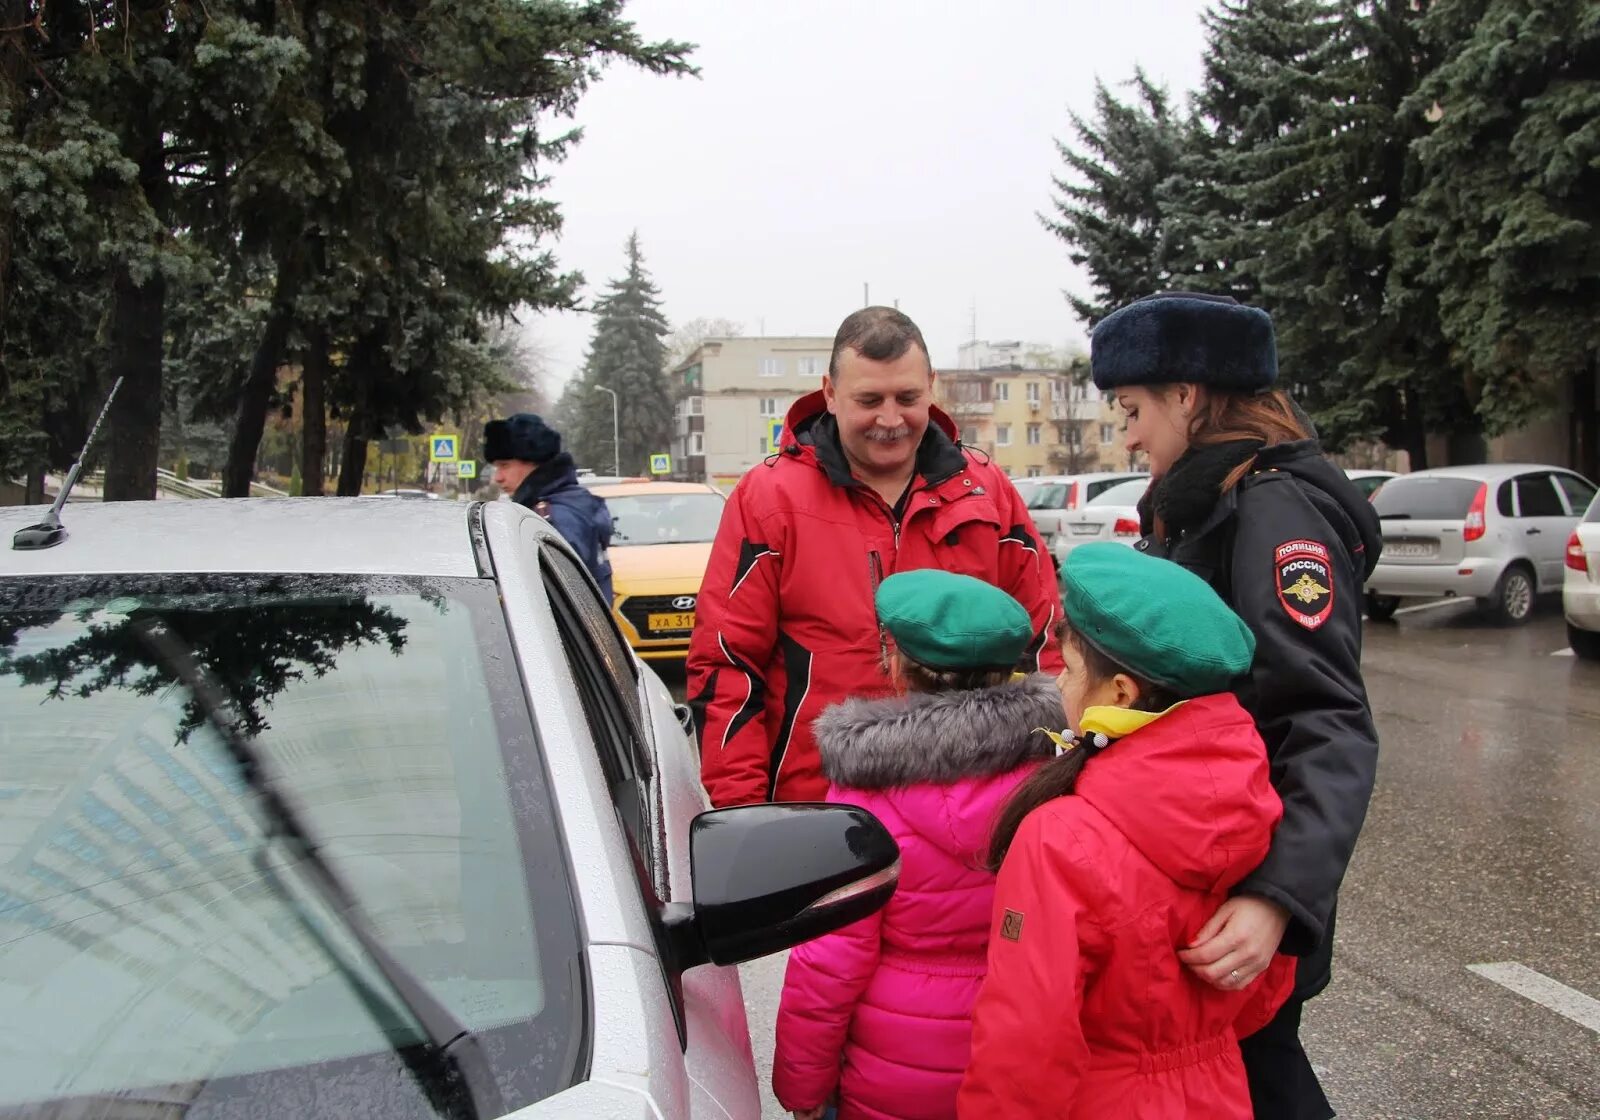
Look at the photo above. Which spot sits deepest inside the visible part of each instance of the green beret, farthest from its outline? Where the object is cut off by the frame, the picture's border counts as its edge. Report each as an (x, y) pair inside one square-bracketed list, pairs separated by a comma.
[(949, 621), (1155, 618)]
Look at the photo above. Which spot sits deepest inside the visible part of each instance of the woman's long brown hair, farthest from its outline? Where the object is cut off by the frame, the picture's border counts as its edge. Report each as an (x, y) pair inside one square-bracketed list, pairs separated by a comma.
[(1224, 416), (1059, 778)]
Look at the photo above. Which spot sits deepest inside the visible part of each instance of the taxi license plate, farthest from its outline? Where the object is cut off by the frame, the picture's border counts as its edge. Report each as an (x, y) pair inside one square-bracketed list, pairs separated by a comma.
[(679, 620)]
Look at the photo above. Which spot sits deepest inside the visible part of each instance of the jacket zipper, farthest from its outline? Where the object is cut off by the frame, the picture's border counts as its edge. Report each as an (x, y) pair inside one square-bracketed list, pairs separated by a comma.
[(875, 571)]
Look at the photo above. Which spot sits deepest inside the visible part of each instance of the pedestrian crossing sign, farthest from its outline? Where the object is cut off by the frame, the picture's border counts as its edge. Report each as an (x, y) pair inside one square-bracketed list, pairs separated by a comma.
[(467, 468), (774, 434), (661, 464), (442, 449)]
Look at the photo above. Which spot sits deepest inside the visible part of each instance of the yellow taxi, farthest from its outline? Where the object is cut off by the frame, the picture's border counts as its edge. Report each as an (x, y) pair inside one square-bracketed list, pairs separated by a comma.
[(660, 546)]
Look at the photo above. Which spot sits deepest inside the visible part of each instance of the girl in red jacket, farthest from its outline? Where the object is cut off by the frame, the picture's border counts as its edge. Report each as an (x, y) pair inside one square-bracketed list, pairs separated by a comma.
[(879, 1012), (1107, 869)]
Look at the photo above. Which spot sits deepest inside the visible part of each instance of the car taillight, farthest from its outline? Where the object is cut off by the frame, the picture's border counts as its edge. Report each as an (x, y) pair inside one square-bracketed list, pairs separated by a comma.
[(1576, 560), (1475, 514), (1125, 527), (1072, 495)]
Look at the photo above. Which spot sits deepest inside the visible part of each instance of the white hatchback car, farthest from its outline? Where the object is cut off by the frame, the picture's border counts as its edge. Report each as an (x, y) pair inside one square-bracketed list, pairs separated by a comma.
[(332, 807), (1580, 591), (1493, 532)]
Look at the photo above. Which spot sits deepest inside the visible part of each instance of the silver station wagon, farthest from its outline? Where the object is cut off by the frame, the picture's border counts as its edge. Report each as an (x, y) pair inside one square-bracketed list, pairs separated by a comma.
[(1496, 533)]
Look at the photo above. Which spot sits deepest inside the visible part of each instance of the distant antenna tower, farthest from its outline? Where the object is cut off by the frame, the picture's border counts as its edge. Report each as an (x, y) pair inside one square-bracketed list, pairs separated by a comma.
[(974, 335)]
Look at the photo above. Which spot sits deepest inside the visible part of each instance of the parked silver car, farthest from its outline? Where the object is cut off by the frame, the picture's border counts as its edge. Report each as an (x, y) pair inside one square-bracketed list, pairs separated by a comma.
[(332, 807), (1112, 515), (1496, 533), (1580, 589), (1052, 497)]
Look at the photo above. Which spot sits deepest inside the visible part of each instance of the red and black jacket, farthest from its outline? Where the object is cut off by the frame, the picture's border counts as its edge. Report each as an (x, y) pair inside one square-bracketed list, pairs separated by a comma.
[(785, 621)]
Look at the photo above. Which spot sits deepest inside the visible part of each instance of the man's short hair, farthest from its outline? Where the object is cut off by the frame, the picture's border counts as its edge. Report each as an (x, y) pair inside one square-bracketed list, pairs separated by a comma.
[(879, 334)]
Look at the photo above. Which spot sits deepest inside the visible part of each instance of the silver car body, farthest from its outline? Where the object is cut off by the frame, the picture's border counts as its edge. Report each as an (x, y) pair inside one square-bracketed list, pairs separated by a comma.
[(1528, 513), (637, 1067)]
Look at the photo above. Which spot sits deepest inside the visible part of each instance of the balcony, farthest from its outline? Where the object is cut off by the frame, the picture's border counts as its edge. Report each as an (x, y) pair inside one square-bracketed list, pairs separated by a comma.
[(1075, 410), (970, 408)]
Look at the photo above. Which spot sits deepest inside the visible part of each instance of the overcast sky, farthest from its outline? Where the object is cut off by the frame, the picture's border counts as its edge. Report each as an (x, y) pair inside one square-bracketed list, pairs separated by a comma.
[(829, 143)]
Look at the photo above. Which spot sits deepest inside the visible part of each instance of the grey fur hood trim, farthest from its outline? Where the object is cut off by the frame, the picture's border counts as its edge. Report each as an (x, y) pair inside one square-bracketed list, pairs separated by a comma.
[(937, 737)]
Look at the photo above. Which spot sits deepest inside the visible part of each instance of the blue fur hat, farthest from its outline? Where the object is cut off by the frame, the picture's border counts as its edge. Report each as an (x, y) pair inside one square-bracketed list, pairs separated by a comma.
[(523, 436), (1185, 336)]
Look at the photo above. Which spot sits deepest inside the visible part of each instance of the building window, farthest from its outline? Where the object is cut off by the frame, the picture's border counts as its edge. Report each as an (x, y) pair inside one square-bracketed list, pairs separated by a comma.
[(969, 435), (1062, 434), (1002, 390), (1033, 392), (1002, 435), (697, 443), (697, 406), (1055, 390), (809, 367), (769, 408), (1035, 436), (771, 367), (1108, 433), (1035, 472)]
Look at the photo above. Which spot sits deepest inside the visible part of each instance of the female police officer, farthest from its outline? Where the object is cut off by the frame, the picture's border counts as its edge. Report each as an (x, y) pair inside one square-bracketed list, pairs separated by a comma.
[(1242, 495)]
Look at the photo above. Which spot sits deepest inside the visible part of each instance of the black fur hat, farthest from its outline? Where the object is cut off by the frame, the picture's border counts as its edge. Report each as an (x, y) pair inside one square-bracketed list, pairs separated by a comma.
[(1185, 336), (523, 436)]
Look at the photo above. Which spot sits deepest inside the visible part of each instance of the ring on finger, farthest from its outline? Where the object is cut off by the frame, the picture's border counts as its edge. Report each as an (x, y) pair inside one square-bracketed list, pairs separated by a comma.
[(1233, 974)]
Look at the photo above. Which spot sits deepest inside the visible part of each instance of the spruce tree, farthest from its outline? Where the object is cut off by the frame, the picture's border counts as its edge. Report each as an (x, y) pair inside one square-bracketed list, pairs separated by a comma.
[(1506, 228), (628, 355), (1109, 210)]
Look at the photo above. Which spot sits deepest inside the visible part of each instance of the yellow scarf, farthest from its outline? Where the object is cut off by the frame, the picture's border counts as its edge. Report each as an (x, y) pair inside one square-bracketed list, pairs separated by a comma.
[(1107, 720)]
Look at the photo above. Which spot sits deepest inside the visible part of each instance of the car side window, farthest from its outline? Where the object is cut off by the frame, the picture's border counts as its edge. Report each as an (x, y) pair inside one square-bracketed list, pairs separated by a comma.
[(1537, 497), (607, 689), (1504, 500), (1579, 493)]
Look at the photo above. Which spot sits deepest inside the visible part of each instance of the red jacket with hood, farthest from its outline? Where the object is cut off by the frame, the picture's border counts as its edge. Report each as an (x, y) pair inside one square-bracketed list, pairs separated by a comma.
[(1086, 1010), (785, 621)]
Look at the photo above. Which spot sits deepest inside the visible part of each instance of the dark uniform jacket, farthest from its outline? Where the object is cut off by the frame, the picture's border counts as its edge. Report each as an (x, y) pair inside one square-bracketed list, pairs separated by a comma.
[(554, 493), (1289, 548)]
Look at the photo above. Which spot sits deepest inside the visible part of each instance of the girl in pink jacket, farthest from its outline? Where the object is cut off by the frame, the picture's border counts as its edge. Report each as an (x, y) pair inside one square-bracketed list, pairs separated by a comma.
[(877, 1016)]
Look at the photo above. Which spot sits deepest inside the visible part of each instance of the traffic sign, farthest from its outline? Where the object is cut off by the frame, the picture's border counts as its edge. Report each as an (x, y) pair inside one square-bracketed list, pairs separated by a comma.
[(661, 464), (442, 449), (774, 434), (466, 468)]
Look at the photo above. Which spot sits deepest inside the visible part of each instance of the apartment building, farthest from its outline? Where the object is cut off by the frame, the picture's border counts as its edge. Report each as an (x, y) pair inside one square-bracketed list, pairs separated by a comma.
[(730, 391), (1031, 422)]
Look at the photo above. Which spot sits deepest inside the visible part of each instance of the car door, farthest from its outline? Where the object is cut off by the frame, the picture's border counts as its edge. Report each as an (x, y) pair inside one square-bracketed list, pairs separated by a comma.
[(630, 714), (1541, 524)]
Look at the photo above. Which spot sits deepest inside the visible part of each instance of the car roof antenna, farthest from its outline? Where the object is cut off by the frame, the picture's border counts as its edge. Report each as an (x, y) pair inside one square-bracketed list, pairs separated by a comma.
[(49, 532)]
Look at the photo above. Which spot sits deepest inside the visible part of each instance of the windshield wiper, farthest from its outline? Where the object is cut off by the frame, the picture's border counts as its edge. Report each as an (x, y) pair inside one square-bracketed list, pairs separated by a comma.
[(453, 1046)]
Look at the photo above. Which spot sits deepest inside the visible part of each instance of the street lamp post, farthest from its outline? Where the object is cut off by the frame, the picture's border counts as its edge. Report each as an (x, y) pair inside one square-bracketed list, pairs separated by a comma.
[(616, 446)]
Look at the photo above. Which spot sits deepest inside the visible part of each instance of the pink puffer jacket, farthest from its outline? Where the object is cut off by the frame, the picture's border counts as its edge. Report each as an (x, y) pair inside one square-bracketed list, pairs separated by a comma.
[(881, 1010)]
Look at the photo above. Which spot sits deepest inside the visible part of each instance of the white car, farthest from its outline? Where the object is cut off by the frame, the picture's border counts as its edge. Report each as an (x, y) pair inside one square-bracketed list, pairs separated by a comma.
[(1580, 589), (329, 807), (1369, 482), (1111, 516), (1052, 497)]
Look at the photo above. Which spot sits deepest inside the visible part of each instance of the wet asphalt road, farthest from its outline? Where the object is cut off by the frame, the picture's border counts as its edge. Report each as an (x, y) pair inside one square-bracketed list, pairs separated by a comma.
[(1482, 846)]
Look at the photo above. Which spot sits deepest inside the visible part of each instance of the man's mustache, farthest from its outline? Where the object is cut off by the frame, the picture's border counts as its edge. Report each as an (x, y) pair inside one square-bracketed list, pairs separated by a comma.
[(887, 435)]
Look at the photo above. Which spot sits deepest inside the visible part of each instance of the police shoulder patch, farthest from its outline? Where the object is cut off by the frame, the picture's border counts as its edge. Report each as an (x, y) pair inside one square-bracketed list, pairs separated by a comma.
[(1305, 581)]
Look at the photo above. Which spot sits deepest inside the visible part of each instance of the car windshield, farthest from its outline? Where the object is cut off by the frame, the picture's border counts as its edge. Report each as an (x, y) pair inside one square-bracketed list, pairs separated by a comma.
[(1424, 498), (151, 967), (1049, 495), (1122, 494), (665, 518)]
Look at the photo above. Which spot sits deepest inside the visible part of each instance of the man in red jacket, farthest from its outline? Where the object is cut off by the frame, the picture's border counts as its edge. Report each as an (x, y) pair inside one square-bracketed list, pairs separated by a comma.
[(869, 480)]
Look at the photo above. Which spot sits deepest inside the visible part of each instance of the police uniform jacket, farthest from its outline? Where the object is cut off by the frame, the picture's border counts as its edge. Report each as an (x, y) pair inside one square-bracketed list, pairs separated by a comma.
[(1289, 548)]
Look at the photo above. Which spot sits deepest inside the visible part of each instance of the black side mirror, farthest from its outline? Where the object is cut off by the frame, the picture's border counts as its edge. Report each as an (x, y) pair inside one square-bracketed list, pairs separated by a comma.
[(767, 877)]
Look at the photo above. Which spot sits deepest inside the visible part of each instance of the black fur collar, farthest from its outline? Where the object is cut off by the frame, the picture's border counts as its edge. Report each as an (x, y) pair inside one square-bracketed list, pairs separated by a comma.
[(1187, 494)]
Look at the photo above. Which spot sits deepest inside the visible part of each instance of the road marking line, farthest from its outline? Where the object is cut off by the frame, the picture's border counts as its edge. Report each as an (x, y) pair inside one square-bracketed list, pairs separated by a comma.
[(1552, 994), (1452, 602)]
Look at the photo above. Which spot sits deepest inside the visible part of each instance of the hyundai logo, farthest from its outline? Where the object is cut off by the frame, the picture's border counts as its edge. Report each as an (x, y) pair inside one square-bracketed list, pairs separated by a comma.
[(683, 603)]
